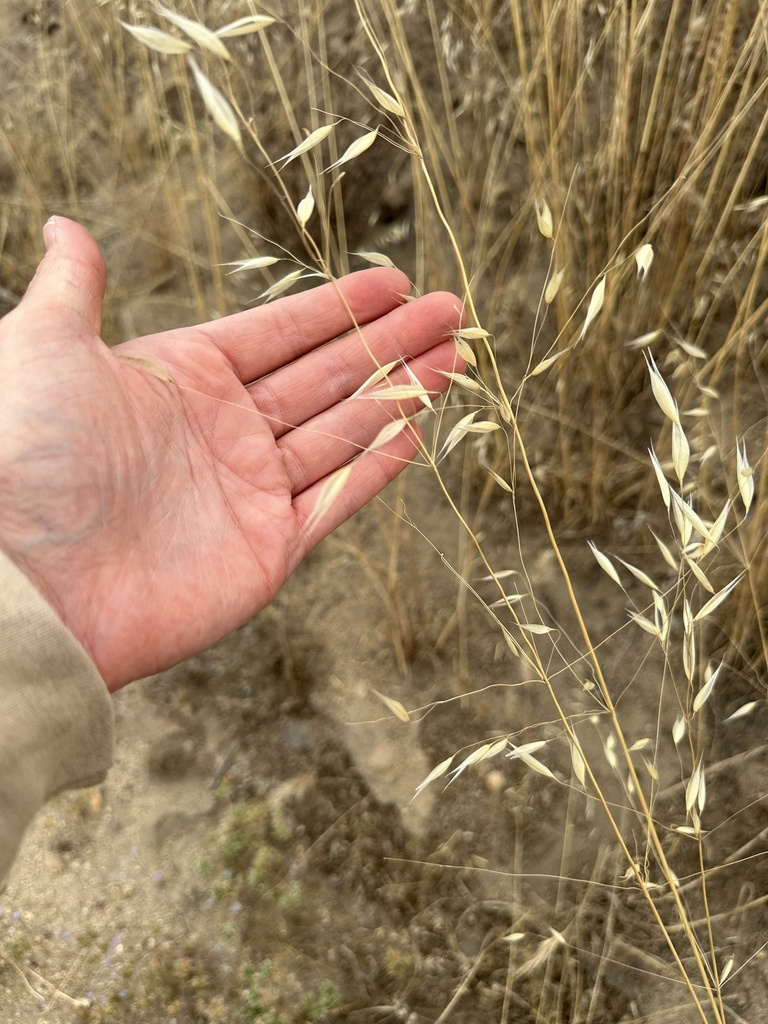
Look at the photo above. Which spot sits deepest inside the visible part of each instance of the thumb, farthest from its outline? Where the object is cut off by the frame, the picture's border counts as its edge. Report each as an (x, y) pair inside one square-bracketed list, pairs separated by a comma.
[(71, 278)]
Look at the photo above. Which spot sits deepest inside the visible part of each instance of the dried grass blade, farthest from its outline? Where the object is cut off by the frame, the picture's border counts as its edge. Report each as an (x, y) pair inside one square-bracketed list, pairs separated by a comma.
[(217, 105), (155, 39)]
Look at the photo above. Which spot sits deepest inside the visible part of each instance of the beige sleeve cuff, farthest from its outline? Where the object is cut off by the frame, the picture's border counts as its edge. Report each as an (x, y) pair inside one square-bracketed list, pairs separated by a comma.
[(56, 718)]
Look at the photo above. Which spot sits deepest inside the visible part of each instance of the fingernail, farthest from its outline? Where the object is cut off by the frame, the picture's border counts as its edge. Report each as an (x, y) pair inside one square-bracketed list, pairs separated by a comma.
[(49, 232)]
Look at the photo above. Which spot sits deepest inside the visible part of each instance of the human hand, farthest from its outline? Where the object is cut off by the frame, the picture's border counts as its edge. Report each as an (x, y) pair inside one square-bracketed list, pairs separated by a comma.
[(156, 517)]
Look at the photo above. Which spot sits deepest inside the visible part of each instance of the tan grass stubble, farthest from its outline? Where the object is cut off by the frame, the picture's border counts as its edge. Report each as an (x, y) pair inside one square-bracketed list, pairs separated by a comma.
[(414, 127), (656, 204)]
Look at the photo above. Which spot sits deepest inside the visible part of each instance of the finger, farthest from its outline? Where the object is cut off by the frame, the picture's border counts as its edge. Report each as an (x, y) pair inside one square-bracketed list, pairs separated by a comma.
[(259, 341), (330, 440), (69, 284), (304, 389)]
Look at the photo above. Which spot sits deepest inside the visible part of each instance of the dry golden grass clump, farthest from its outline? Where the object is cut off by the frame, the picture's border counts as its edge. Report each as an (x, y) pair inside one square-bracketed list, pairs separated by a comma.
[(591, 179)]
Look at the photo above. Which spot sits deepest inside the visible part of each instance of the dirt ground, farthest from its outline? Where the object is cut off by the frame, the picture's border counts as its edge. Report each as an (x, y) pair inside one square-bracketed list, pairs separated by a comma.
[(257, 853)]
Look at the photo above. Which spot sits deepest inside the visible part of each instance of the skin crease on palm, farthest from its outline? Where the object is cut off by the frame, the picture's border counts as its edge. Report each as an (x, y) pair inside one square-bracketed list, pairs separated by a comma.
[(155, 517)]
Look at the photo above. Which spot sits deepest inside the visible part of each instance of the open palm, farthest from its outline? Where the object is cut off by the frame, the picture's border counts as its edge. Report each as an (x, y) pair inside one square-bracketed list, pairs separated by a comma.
[(156, 516)]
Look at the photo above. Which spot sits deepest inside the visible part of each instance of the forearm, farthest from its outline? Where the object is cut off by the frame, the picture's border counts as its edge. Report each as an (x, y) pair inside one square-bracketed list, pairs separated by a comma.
[(56, 722)]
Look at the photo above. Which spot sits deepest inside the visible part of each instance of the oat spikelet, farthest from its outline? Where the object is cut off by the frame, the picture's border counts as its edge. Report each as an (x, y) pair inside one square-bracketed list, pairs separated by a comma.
[(706, 691), (595, 305), (692, 787), (473, 758), (745, 475), (717, 600), (397, 393), (312, 140), (199, 33), (605, 563), (387, 433), (664, 487), (245, 26), (329, 492), (356, 149), (281, 286), (644, 259), (743, 711), (661, 392), (679, 730), (386, 100), (155, 39), (149, 365), (217, 105), (577, 763), (441, 769), (681, 451), (644, 339), (378, 375), (378, 259), (553, 286), (394, 706), (305, 208), (544, 218), (254, 263), (546, 363)]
